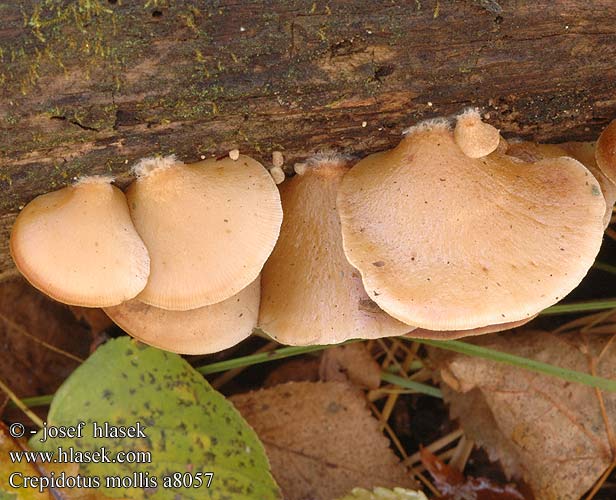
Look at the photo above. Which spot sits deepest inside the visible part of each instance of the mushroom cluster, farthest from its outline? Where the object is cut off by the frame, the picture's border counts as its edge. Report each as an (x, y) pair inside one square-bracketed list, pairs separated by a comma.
[(175, 262), (454, 232)]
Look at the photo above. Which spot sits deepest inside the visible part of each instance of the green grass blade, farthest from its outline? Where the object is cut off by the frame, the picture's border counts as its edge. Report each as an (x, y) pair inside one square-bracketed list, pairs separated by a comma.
[(33, 401), (520, 362), (255, 359), (576, 307), (602, 266), (411, 384)]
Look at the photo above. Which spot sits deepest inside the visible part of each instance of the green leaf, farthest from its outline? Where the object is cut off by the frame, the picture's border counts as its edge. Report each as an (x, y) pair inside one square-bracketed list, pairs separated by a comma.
[(384, 494), (189, 427)]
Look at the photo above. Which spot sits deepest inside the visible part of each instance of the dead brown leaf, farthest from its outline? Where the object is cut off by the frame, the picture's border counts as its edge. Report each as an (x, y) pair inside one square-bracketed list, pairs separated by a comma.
[(454, 486), (41, 340), (300, 369), (345, 363), (321, 440), (557, 435), (94, 317), (352, 363), (97, 322)]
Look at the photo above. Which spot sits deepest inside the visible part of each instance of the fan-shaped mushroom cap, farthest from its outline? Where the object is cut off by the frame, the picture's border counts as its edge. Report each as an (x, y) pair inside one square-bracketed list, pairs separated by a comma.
[(584, 152), (79, 246), (465, 243), (310, 293), (606, 152), (475, 137), (198, 331), (209, 227)]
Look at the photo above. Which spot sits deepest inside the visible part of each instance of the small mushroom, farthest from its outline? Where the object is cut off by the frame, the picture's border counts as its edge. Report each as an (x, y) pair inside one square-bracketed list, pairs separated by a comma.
[(204, 330), (584, 152), (277, 159), (300, 168), (467, 242), (209, 227), (310, 294), (475, 137), (277, 174), (79, 246), (606, 152)]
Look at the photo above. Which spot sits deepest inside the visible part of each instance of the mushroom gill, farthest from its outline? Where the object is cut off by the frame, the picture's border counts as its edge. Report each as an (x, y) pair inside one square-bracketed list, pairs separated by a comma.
[(203, 330)]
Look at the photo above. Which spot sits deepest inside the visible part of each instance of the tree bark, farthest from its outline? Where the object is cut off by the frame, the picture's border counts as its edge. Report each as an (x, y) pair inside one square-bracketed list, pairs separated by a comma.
[(89, 87)]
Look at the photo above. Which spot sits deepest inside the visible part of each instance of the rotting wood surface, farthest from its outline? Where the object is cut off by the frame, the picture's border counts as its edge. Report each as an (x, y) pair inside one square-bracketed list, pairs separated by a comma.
[(90, 86)]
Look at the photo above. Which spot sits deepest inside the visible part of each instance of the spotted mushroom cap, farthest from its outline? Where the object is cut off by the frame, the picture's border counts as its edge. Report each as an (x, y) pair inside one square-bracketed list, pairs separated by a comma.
[(606, 152), (467, 242), (203, 330), (584, 152), (79, 246), (209, 227), (310, 293)]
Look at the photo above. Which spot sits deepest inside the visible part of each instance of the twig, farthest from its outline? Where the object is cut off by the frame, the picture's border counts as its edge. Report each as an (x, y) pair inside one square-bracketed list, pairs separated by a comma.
[(436, 445)]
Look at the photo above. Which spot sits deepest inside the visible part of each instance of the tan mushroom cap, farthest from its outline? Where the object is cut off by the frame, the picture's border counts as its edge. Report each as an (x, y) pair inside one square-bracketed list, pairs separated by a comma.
[(475, 137), (606, 152), (584, 152), (466, 243), (209, 227), (310, 293), (79, 246), (204, 330)]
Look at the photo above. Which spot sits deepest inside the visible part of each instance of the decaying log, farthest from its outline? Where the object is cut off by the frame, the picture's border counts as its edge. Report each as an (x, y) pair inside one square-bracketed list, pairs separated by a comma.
[(88, 87)]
